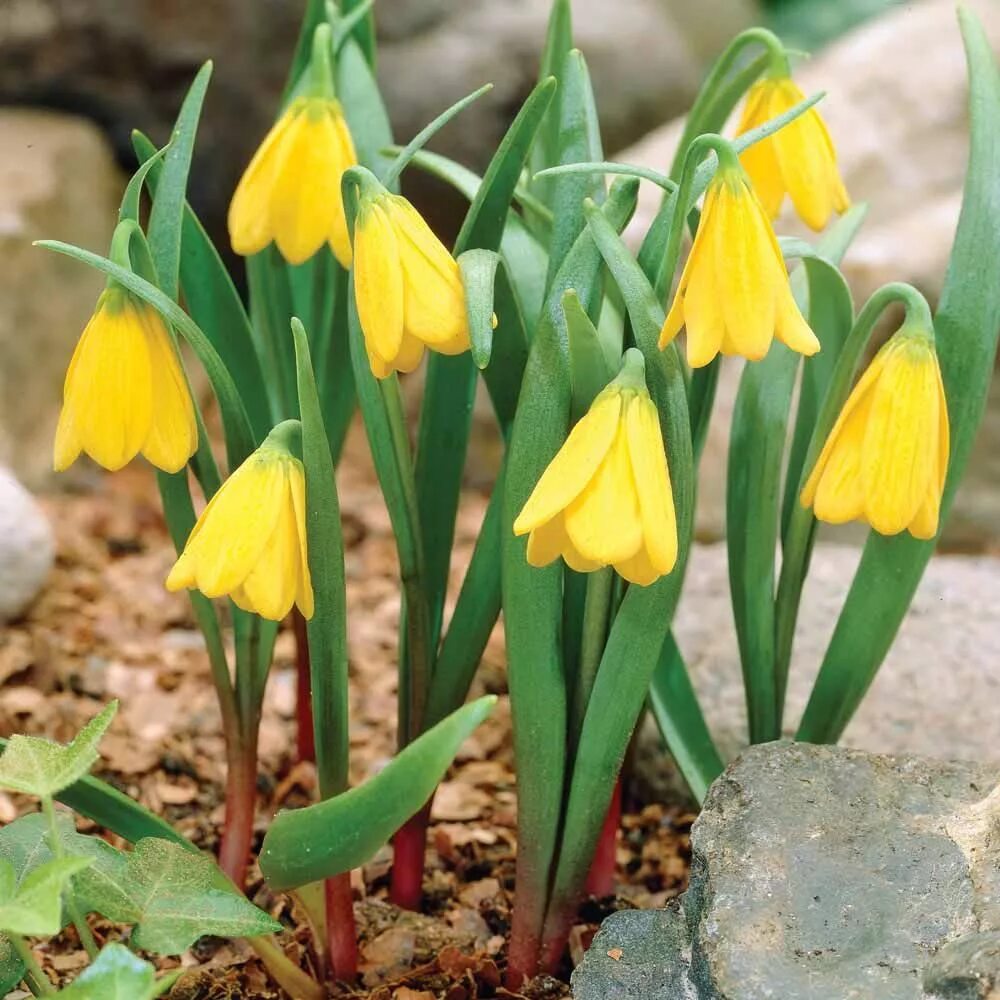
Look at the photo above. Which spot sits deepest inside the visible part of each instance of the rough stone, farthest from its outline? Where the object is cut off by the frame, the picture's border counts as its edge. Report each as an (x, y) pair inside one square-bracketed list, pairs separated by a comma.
[(935, 695), (27, 547), (127, 65), (903, 147), (57, 180), (818, 873)]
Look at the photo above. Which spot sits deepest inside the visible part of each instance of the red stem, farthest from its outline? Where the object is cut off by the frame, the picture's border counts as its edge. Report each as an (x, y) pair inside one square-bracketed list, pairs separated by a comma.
[(241, 803), (409, 844), (525, 936), (305, 736), (601, 878), (341, 930)]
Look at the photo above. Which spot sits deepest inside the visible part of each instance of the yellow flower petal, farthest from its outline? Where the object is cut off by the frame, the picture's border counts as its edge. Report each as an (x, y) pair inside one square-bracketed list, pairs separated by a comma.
[(378, 284), (173, 433), (249, 211), (546, 542), (346, 156), (304, 589), (838, 490), (652, 482), (944, 429), (759, 160), (271, 585), (603, 522), (703, 312), (639, 569), (896, 464), (574, 464)]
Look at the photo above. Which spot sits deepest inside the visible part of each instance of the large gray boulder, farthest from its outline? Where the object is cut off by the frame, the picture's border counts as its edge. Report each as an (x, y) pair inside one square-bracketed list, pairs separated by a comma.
[(822, 874), (27, 547)]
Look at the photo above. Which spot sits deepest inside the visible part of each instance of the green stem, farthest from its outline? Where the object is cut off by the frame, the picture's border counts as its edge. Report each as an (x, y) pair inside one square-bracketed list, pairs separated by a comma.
[(37, 981), (56, 846), (284, 972), (596, 614), (798, 541)]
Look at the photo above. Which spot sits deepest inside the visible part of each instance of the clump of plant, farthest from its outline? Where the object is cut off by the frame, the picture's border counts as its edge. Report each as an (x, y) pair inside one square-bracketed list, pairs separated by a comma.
[(589, 526)]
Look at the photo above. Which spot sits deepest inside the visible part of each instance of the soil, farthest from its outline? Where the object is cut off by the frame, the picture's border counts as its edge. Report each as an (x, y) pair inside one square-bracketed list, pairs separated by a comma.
[(106, 628)]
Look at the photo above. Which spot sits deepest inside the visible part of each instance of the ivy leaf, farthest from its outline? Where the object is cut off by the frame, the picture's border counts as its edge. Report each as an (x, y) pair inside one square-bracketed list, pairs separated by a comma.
[(35, 906), (40, 767), (117, 974), (175, 897)]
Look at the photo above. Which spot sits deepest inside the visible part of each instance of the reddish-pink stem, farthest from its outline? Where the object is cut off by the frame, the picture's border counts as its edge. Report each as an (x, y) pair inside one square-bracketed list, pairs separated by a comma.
[(241, 802), (305, 737), (341, 930), (601, 878), (525, 935), (409, 845)]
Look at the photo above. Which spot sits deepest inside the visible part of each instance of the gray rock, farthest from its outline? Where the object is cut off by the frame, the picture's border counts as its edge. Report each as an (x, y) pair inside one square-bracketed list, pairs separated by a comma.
[(937, 691), (27, 547), (57, 180), (819, 873)]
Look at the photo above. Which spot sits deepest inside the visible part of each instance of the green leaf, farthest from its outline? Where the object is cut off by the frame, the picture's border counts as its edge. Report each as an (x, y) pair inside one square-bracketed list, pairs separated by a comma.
[(176, 896), (214, 303), (966, 326), (117, 974), (327, 629), (11, 966), (558, 42), (509, 351), (479, 268), (640, 626), (40, 767), (364, 109), (331, 837), (313, 16), (588, 368), (34, 906), (167, 215), (239, 436), (579, 141), (681, 722), (533, 598)]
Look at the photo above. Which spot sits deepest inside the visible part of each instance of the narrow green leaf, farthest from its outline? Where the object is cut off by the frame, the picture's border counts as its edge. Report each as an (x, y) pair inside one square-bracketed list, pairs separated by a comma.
[(331, 837), (117, 974), (966, 326), (681, 721), (313, 16), (178, 897), (579, 140), (640, 626), (533, 598), (558, 42), (479, 268), (509, 352), (364, 109), (327, 629), (34, 907), (40, 767), (588, 369), (424, 136), (167, 215), (132, 198), (364, 30), (239, 436), (214, 303)]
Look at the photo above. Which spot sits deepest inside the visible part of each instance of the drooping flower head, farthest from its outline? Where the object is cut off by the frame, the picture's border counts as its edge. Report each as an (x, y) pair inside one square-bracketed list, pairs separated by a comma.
[(605, 499), (886, 459), (798, 160), (250, 541), (125, 391), (407, 286), (733, 296), (290, 193)]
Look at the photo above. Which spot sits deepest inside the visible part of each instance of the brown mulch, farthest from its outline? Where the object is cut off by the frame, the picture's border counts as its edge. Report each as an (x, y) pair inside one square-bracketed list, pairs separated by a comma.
[(106, 628)]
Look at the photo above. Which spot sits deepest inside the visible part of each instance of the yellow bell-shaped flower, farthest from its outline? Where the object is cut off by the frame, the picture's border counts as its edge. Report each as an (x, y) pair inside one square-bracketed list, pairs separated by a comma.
[(886, 459), (798, 160), (250, 541), (605, 499), (407, 286), (125, 391), (291, 193), (733, 295)]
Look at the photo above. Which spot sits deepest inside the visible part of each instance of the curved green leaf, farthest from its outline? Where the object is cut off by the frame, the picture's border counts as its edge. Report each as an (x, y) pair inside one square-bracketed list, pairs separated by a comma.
[(558, 42), (479, 268), (966, 327), (34, 906), (588, 369), (117, 974), (364, 109), (331, 837)]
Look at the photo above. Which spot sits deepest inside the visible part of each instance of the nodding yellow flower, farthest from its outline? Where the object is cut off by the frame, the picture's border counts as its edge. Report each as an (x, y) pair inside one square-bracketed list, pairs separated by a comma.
[(250, 541), (733, 295), (291, 193), (407, 286), (125, 391), (886, 458), (605, 499), (798, 160)]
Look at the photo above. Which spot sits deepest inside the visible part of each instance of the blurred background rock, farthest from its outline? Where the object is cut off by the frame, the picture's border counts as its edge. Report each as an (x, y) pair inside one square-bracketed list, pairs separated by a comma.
[(77, 75)]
